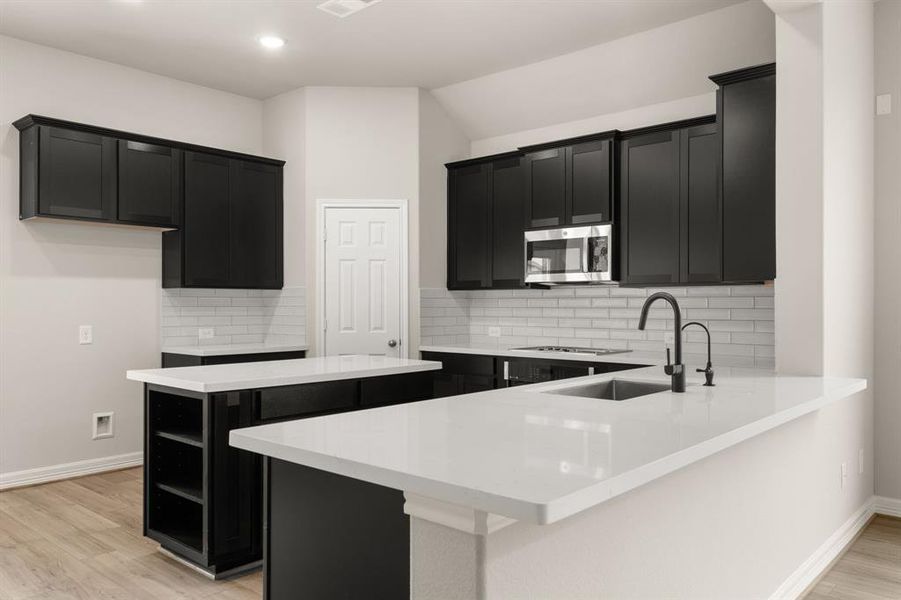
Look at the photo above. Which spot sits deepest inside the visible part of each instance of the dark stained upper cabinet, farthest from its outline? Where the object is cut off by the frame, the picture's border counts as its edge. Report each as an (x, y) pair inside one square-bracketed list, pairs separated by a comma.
[(255, 225), (204, 236), (233, 226), (150, 185), (469, 226), (546, 187), (701, 213), (746, 110), (649, 228), (486, 217), (570, 182), (590, 189), (508, 223), (66, 173)]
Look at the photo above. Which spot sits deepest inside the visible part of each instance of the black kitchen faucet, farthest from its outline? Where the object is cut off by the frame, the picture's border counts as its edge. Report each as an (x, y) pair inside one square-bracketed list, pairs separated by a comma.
[(675, 370)]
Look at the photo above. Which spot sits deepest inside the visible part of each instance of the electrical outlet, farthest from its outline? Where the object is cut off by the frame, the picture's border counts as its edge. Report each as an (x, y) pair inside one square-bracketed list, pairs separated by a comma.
[(494, 332), (103, 425), (860, 461), (85, 334), (205, 333), (669, 338), (844, 474)]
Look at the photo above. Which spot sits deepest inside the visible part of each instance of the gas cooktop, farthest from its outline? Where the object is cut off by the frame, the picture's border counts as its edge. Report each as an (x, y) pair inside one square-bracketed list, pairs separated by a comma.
[(571, 350)]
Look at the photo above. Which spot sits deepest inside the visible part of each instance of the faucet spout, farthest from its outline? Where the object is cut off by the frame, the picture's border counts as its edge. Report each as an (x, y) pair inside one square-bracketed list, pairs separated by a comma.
[(677, 369)]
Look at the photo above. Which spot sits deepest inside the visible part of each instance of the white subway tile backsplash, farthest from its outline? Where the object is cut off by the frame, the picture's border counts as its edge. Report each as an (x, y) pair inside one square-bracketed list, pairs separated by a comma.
[(236, 316), (740, 319)]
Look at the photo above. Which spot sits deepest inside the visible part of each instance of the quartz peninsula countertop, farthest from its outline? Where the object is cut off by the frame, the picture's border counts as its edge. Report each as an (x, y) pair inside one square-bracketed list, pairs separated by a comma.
[(240, 376), (530, 454)]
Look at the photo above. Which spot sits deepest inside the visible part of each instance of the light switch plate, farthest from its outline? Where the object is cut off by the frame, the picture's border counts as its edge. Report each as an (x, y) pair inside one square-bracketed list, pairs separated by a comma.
[(205, 333), (494, 332), (85, 334), (884, 104)]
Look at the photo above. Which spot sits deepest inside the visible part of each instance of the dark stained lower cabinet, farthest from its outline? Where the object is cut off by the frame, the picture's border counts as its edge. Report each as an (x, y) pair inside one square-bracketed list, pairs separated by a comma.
[(174, 359), (329, 536), (746, 110), (461, 373), (150, 184), (203, 498)]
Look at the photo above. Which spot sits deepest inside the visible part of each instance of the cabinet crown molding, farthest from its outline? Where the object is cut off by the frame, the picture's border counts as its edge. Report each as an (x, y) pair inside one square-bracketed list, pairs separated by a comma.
[(744, 74), (31, 120)]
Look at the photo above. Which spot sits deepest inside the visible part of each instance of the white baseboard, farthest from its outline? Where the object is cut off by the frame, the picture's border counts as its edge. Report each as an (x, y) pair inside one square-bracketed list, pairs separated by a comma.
[(887, 506), (798, 582), (68, 470)]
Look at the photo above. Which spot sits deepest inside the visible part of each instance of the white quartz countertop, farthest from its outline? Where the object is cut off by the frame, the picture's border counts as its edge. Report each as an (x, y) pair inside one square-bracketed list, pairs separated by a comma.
[(541, 457), (229, 349), (241, 376), (630, 357)]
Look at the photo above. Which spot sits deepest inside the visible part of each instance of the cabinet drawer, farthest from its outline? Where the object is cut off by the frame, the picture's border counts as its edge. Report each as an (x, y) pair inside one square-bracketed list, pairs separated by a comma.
[(464, 364), (396, 389), (297, 401)]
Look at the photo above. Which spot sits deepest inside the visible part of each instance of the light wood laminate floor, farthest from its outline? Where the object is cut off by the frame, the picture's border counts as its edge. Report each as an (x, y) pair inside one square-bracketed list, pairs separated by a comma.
[(870, 569), (81, 538)]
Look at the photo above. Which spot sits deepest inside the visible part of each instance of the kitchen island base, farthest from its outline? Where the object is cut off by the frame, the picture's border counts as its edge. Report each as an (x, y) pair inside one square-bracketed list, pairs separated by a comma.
[(329, 536)]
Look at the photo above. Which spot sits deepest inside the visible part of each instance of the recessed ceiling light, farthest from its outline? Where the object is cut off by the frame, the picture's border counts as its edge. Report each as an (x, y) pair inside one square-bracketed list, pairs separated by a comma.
[(271, 41), (345, 8)]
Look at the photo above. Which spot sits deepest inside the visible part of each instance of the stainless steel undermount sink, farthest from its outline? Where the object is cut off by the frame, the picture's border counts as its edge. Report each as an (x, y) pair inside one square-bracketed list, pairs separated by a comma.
[(613, 389)]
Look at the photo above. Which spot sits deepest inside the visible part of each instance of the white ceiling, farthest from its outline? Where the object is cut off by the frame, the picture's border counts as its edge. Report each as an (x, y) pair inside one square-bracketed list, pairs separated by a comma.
[(426, 43)]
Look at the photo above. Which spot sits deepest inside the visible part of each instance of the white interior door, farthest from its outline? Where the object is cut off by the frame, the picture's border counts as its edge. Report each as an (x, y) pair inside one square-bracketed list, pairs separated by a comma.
[(362, 281)]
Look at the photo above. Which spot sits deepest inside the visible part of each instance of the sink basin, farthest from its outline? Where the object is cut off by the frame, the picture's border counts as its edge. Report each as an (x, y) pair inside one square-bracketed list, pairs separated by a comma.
[(613, 389)]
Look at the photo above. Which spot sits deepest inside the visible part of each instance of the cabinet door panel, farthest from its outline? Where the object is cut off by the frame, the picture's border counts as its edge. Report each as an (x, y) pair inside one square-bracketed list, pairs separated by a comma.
[(589, 192), (700, 205), (149, 183), (255, 226), (469, 228), (508, 208), (77, 174), (236, 481), (206, 220), (748, 110), (546, 187), (650, 204)]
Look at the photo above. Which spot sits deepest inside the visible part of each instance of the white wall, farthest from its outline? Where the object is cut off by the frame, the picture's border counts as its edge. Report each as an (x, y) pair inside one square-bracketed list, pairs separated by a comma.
[(284, 136), (656, 66), (55, 276), (441, 141), (799, 192), (361, 143), (888, 253)]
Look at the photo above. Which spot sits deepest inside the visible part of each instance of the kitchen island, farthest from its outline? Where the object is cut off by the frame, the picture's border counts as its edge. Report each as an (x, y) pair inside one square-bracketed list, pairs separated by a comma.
[(202, 499), (531, 491)]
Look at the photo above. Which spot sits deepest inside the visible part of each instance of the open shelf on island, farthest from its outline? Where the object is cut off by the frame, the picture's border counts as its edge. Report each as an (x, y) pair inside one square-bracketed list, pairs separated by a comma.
[(185, 436)]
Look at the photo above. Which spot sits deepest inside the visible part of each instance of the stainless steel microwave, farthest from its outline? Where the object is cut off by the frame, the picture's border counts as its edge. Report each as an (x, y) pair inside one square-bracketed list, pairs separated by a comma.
[(570, 255)]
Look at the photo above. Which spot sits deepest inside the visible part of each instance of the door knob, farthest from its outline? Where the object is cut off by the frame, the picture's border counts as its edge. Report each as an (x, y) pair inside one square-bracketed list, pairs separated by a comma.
[(392, 343)]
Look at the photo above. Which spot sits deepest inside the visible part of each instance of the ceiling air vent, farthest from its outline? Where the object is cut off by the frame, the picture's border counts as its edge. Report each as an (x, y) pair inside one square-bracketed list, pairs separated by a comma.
[(345, 8)]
